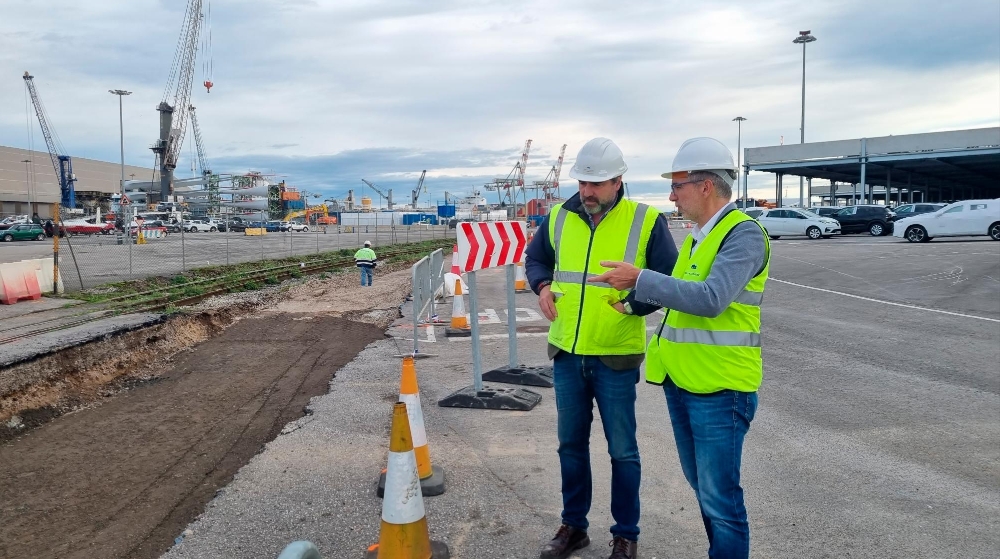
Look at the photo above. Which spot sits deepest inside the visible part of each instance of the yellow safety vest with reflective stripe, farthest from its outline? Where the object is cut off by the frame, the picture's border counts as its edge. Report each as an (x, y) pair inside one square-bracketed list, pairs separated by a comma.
[(587, 324), (705, 355)]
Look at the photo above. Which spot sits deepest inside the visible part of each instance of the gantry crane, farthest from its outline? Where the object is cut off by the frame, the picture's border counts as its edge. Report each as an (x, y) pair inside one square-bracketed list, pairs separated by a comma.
[(415, 194), (388, 197), (507, 187), (62, 164), (174, 116)]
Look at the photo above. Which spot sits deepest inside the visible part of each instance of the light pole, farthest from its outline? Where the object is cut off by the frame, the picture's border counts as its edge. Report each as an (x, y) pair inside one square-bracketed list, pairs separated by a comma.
[(27, 182), (126, 223), (121, 129), (739, 152), (803, 38)]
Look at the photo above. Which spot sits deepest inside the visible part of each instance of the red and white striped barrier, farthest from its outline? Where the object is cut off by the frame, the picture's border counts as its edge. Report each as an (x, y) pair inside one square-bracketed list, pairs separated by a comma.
[(490, 244)]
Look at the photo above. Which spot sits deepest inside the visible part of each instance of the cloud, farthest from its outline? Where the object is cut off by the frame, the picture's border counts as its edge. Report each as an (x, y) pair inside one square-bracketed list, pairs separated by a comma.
[(326, 92)]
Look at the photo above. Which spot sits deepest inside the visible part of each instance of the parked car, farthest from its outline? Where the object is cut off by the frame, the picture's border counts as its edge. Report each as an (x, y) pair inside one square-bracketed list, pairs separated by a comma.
[(24, 232), (9, 222), (910, 210), (825, 211), (197, 225), (295, 226), (780, 222), (237, 226), (87, 227), (960, 219), (754, 212), (272, 226), (875, 220)]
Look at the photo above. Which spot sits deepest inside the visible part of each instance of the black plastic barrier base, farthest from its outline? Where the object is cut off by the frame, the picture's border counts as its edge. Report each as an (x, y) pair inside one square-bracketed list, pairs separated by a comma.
[(439, 550), (528, 376), (430, 487), (492, 398), (458, 332)]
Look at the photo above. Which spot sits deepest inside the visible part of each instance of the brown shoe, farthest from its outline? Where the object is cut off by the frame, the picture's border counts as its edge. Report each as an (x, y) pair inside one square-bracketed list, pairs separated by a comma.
[(566, 541), (623, 549)]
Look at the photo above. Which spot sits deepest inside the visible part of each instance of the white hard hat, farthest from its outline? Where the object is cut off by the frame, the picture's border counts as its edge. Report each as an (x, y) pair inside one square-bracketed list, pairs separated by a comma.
[(598, 160), (704, 154), (368, 243)]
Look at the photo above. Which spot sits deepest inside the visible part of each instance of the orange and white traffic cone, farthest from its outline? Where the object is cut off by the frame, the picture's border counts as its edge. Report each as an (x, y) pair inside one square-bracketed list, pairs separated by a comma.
[(454, 261), (459, 322), (521, 280), (403, 533), (431, 477)]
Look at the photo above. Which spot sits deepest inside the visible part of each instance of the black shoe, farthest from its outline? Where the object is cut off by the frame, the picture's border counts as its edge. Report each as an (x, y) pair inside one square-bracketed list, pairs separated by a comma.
[(566, 541), (623, 549)]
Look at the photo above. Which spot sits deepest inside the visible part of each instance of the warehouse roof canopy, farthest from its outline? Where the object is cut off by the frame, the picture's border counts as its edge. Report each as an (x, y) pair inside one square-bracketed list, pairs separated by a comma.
[(957, 158)]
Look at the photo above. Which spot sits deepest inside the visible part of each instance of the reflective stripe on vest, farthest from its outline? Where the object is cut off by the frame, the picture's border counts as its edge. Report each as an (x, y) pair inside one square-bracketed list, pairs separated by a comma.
[(705, 355), (586, 323), (710, 337)]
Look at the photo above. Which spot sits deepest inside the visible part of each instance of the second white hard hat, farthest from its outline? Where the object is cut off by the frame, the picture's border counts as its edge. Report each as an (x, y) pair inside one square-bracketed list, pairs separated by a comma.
[(598, 160), (703, 154)]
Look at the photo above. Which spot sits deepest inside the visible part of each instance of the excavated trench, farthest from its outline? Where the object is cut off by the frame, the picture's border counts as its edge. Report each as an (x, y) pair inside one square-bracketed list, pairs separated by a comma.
[(117, 445)]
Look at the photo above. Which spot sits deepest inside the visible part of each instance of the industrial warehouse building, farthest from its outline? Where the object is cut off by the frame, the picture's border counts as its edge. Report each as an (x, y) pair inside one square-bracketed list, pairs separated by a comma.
[(933, 167), (26, 188)]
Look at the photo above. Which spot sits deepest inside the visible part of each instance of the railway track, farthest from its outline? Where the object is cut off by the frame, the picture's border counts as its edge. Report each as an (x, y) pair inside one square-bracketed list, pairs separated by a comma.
[(160, 298)]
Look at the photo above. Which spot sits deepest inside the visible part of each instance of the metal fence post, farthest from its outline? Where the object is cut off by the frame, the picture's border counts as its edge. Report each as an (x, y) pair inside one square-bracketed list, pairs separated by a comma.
[(477, 368), (511, 315), (183, 256)]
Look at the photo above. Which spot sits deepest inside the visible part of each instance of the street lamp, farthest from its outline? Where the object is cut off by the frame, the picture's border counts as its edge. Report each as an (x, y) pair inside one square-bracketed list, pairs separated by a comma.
[(121, 128), (803, 38), (739, 152), (27, 181)]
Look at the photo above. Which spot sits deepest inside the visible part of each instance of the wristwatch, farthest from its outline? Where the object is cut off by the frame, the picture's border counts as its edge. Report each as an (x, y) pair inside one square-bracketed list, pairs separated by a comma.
[(627, 307)]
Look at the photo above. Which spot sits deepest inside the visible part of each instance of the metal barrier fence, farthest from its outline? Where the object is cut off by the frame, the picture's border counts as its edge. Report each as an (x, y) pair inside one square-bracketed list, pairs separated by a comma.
[(92, 260), (428, 278)]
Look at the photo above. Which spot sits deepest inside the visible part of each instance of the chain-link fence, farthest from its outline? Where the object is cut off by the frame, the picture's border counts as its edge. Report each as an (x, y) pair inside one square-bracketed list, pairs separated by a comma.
[(90, 260)]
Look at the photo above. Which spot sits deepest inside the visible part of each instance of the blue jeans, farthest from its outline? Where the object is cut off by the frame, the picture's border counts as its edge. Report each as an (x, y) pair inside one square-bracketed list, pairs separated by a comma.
[(366, 274), (709, 431), (579, 380)]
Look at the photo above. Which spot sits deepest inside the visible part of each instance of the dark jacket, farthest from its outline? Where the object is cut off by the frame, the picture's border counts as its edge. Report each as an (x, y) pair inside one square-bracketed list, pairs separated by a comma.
[(540, 257)]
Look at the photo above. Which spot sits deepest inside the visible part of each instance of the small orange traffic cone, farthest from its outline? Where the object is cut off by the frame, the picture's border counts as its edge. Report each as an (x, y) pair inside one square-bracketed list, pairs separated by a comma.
[(454, 261), (521, 280), (403, 533), (431, 477), (459, 322)]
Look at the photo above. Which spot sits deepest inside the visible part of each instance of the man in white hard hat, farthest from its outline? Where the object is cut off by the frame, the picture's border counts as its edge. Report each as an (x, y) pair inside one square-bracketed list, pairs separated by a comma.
[(706, 352), (366, 261), (597, 337)]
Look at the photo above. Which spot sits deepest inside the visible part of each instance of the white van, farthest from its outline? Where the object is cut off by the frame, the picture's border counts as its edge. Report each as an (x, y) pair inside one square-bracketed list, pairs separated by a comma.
[(961, 219)]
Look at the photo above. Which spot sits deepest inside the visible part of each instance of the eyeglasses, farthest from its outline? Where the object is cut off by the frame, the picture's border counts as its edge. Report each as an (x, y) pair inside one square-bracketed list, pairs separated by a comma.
[(674, 187)]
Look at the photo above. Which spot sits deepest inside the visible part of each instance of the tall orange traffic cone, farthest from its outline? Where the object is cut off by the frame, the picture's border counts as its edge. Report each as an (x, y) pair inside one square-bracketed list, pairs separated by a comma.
[(403, 532), (520, 281), (431, 477), (459, 322)]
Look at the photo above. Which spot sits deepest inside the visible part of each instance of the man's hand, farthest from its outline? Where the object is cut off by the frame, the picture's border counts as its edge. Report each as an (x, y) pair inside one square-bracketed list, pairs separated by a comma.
[(621, 276), (547, 303)]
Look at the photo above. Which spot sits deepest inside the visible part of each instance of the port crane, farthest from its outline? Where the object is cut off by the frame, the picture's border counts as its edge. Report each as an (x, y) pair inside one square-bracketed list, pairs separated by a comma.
[(175, 107), (62, 164), (506, 188), (415, 194), (388, 197)]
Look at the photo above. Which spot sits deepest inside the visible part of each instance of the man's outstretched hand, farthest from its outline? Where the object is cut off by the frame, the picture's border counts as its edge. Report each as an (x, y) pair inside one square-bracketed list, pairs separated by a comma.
[(621, 276)]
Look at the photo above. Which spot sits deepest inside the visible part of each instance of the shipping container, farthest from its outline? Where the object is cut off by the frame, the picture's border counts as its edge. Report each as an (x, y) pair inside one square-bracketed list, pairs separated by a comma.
[(290, 195), (446, 210), (292, 205)]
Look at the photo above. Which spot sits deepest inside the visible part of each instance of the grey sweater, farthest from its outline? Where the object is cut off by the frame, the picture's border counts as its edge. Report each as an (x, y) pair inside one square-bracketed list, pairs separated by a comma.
[(741, 257)]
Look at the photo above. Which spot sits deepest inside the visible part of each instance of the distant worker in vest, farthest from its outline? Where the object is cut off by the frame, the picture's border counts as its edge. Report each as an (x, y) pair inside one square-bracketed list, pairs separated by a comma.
[(597, 338), (365, 260), (706, 352)]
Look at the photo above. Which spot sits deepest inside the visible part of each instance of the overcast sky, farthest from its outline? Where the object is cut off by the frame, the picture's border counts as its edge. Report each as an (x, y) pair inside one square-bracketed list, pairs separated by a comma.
[(325, 92)]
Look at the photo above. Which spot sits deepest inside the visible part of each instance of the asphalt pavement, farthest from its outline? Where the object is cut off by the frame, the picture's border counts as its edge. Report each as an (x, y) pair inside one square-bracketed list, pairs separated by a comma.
[(877, 435)]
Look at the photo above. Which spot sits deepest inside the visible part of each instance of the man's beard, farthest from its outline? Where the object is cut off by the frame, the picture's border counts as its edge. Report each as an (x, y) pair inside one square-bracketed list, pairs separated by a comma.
[(596, 210)]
